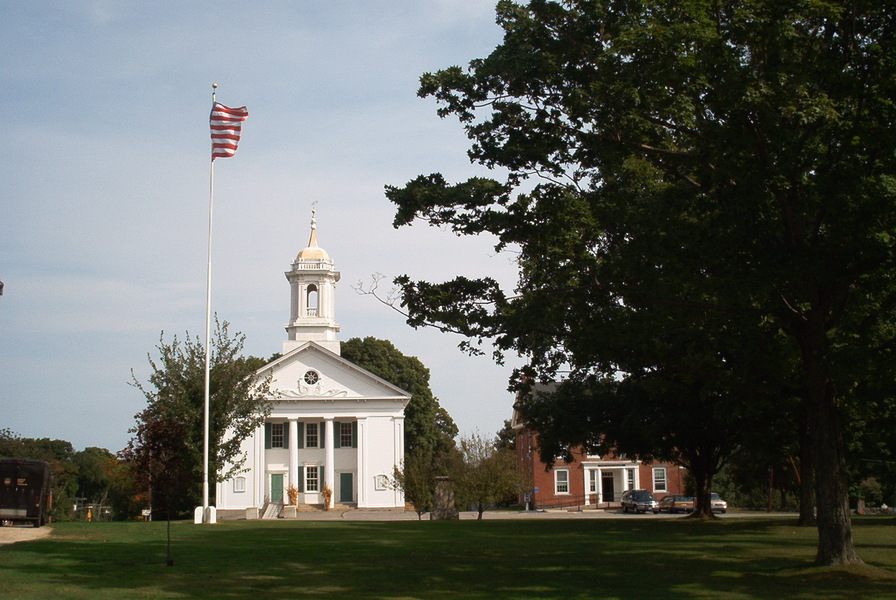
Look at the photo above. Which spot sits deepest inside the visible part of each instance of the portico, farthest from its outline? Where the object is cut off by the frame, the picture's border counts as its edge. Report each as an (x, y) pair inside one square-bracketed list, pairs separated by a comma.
[(606, 481)]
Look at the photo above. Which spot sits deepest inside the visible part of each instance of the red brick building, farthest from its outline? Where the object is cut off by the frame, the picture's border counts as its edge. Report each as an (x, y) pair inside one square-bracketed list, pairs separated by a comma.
[(590, 480)]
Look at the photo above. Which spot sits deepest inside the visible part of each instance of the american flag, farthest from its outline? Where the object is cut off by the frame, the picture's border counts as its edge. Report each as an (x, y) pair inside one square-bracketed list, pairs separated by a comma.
[(226, 124)]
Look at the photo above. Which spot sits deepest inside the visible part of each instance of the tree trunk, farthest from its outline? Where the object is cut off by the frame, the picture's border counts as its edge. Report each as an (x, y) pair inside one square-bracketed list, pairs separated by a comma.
[(806, 481), (835, 544), (703, 488)]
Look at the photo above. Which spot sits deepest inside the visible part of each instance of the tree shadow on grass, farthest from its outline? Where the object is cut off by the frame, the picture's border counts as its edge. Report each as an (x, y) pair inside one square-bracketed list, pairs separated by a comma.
[(434, 560)]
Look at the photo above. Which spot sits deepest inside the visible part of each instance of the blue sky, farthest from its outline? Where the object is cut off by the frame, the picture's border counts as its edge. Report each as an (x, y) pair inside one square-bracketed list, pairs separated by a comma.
[(106, 181)]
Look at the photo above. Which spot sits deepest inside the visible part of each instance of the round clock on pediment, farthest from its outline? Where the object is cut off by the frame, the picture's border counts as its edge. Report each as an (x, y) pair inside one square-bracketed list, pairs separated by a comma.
[(311, 377)]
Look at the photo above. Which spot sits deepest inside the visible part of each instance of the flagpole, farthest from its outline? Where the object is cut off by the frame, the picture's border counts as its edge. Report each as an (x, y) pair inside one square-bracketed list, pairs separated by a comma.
[(225, 125), (206, 517)]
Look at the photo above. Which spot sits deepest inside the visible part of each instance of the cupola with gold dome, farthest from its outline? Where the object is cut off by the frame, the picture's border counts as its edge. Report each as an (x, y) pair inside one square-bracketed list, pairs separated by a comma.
[(312, 281)]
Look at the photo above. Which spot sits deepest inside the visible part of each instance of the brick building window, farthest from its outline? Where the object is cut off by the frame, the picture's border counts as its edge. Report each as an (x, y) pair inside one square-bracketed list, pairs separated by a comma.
[(561, 481), (659, 479)]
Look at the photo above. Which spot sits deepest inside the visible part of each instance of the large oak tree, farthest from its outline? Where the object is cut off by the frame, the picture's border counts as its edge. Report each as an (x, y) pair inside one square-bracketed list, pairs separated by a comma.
[(726, 168)]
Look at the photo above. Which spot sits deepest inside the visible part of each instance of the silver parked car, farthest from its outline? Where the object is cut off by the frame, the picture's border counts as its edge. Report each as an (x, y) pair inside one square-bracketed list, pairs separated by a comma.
[(717, 504), (639, 501)]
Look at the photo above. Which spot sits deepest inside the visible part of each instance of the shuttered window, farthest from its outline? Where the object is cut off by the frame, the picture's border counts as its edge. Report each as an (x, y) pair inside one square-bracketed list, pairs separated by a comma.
[(275, 435), (347, 435), (312, 481), (311, 439)]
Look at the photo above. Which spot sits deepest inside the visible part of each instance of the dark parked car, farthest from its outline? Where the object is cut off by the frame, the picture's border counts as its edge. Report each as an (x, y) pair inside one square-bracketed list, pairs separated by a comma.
[(718, 505), (639, 501), (674, 503)]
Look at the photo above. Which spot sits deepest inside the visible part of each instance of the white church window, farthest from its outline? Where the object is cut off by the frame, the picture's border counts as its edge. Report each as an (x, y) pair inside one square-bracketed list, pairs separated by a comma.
[(239, 484), (311, 479), (311, 377), (311, 435), (277, 435), (346, 435)]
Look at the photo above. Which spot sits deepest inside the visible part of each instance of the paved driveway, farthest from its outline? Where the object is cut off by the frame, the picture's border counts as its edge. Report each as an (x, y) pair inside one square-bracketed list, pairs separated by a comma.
[(399, 515)]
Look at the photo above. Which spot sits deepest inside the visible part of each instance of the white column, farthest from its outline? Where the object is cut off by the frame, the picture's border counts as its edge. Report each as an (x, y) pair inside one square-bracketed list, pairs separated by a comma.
[(293, 453), (294, 301), (362, 452), (600, 486), (329, 455), (261, 468), (323, 300), (587, 486), (398, 497)]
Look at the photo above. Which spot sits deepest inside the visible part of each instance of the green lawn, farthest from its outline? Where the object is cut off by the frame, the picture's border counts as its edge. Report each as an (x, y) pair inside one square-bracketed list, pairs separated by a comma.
[(562, 558)]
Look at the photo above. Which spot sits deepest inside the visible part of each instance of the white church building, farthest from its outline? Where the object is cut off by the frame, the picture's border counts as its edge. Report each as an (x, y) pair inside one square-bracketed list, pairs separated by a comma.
[(332, 424)]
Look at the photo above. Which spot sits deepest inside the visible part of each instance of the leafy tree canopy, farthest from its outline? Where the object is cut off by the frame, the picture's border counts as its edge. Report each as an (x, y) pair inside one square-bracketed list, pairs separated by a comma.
[(427, 425)]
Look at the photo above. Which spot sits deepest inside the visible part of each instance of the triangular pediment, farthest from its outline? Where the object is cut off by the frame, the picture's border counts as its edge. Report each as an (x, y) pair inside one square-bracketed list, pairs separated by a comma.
[(311, 372)]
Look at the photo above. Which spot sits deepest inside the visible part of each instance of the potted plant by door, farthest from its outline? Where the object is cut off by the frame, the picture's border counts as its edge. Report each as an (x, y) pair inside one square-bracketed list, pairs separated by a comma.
[(328, 495)]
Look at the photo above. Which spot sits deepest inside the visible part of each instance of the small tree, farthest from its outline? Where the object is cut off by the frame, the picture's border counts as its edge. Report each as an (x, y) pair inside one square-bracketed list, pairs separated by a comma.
[(485, 475), (416, 478), (172, 425)]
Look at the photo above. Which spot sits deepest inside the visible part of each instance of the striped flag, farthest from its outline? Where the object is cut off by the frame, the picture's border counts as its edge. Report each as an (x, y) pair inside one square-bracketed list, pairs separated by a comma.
[(226, 124)]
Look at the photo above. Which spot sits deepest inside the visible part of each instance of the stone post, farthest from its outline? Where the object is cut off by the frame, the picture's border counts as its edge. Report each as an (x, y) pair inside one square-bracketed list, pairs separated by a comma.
[(443, 505)]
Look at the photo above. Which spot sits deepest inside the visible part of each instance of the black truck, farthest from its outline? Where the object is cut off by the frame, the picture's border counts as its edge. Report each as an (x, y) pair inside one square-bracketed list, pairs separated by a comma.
[(25, 491)]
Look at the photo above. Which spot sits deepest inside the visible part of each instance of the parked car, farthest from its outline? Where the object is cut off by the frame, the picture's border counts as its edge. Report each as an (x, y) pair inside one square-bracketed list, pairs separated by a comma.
[(718, 505), (639, 501), (674, 503)]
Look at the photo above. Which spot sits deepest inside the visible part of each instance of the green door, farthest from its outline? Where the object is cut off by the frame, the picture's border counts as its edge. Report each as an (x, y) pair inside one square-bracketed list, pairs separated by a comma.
[(276, 487), (345, 488)]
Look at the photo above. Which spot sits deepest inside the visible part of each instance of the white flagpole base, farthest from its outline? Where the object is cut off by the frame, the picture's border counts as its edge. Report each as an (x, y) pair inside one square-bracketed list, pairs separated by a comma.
[(205, 515)]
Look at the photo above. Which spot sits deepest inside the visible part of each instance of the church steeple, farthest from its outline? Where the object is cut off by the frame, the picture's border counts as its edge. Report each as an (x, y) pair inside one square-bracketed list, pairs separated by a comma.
[(312, 282)]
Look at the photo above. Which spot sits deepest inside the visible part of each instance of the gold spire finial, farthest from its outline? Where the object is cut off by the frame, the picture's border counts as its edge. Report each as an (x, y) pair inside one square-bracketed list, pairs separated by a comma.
[(312, 243)]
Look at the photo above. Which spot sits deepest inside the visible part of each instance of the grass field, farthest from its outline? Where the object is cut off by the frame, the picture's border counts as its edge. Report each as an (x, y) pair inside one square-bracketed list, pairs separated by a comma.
[(599, 558)]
